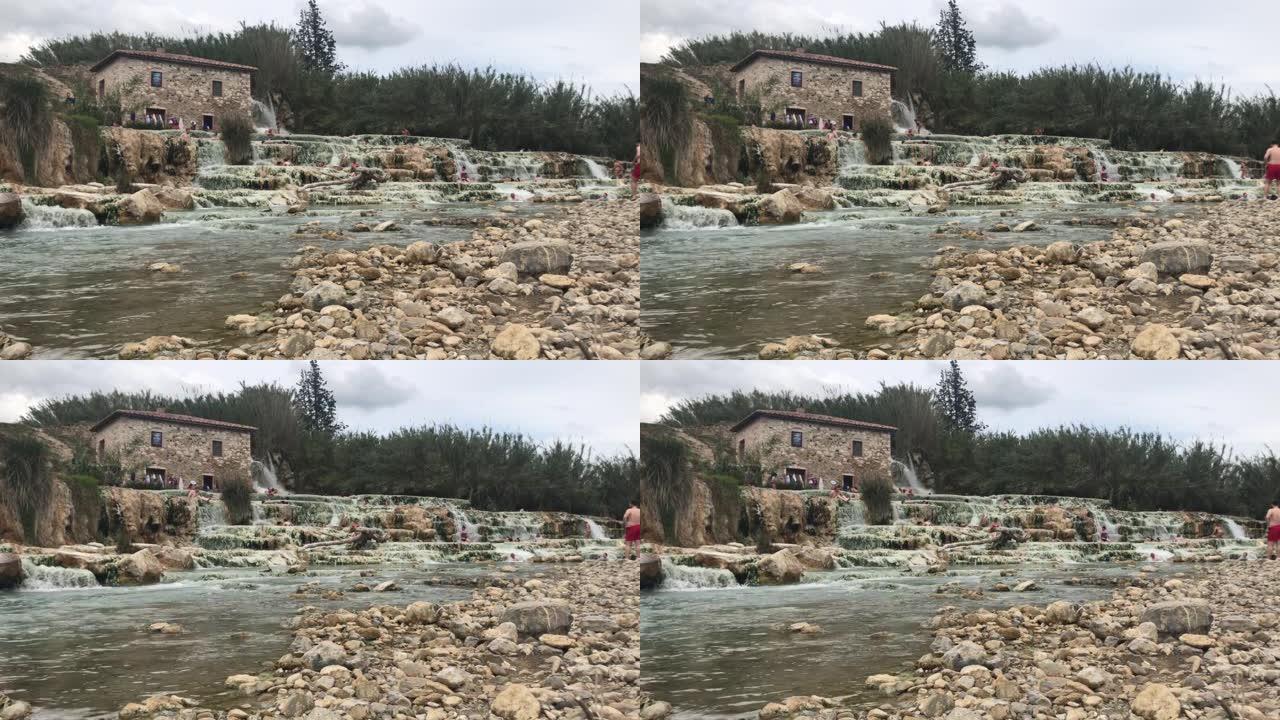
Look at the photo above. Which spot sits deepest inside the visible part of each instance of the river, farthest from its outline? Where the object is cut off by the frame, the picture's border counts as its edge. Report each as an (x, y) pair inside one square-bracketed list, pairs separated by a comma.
[(80, 654), (724, 292), (725, 653)]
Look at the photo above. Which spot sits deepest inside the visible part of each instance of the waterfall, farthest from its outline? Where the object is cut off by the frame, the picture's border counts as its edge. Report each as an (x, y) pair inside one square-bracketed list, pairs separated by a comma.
[(264, 118), (904, 116), (1113, 170), (473, 530), (909, 474), (596, 169), (258, 517), (597, 532), (464, 163), (46, 578), (852, 514), (1233, 168), (335, 515), (210, 514), (265, 476), (1102, 522), (683, 217), (1237, 532), (683, 577), (49, 217), (853, 153)]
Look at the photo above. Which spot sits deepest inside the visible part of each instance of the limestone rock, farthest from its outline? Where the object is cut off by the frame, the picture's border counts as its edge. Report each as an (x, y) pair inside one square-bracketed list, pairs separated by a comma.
[(1156, 342), (1156, 702), (539, 257), (780, 568), (1177, 257), (539, 617), (516, 342), (516, 702), (1177, 617), (11, 212), (10, 571), (140, 208)]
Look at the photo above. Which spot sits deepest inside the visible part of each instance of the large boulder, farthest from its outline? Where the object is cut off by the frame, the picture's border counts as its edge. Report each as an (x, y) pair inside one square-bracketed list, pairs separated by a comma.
[(650, 210), (780, 568), (324, 294), (323, 655), (1156, 702), (538, 617), (10, 571), (815, 198), (175, 198), (963, 295), (516, 702), (1176, 617), (538, 257), (516, 342), (140, 568), (10, 210), (1177, 257), (780, 208), (421, 252), (140, 208), (650, 572), (172, 558)]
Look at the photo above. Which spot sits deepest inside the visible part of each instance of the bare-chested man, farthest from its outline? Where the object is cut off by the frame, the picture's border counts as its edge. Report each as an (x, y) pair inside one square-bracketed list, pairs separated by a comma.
[(1272, 160), (1273, 529), (631, 521)]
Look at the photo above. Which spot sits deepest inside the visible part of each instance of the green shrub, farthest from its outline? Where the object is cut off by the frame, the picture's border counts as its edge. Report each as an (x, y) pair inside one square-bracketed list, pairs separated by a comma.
[(237, 497), (237, 138), (877, 136), (664, 118), (665, 478), (877, 497), (25, 118), (28, 482)]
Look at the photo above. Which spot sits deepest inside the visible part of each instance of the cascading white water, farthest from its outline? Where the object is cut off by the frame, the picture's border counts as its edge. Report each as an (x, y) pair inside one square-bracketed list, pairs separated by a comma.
[(211, 513), (904, 117), (472, 530), (1237, 532), (45, 217), (596, 169), (682, 577), (683, 217), (46, 579), (1103, 523), (1112, 170), (465, 164), (264, 475), (852, 514), (335, 515), (1233, 168), (597, 532), (909, 474), (264, 118)]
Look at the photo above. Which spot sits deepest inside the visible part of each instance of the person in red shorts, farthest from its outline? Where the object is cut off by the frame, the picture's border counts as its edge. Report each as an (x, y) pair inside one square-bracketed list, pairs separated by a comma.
[(631, 521), (1272, 159), (1273, 529)]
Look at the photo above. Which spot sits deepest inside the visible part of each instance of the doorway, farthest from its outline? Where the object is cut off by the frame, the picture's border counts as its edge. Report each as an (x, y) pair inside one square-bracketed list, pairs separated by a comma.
[(847, 482), (848, 123), (794, 112), (796, 477), (208, 483), (158, 115), (155, 476), (207, 122)]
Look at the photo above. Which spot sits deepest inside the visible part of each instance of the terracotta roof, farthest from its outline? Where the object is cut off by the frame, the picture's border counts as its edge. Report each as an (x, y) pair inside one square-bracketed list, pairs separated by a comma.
[(171, 418), (811, 58), (811, 418), (171, 58)]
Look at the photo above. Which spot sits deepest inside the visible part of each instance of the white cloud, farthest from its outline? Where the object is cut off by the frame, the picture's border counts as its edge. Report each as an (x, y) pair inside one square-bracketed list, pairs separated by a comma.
[(1009, 27), (371, 27)]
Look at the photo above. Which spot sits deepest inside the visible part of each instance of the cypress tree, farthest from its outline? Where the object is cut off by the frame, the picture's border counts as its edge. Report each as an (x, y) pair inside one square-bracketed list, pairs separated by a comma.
[(315, 41), (955, 41)]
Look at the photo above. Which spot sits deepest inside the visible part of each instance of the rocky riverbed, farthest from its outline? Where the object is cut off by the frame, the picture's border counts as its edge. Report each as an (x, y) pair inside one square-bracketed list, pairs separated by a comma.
[(1198, 285), (1202, 644), (563, 284), (562, 644)]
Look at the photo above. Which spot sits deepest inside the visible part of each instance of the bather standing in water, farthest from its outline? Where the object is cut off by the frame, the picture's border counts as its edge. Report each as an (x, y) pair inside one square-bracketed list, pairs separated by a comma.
[(1273, 529), (1272, 177), (631, 521)]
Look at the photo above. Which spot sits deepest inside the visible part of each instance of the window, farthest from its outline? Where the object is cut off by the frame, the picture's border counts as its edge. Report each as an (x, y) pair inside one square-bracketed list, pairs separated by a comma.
[(217, 88), (157, 438), (857, 448), (102, 448), (157, 78), (857, 88), (797, 438), (742, 448), (797, 78), (742, 88), (217, 448), (102, 88)]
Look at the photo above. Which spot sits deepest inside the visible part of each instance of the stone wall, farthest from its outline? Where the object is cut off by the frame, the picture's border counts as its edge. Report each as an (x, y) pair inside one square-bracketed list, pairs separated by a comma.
[(826, 92), (186, 91), (827, 452), (187, 452)]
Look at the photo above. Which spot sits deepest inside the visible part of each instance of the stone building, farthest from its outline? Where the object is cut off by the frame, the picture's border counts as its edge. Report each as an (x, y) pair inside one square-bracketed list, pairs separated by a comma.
[(162, 446), (807, 446), (808, 85), (197, 92)]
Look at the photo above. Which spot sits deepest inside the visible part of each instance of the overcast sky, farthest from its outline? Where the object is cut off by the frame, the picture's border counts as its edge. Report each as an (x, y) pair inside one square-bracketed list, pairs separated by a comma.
[(1229, 41), (1231, 402), (588, 402), (580, 40)]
